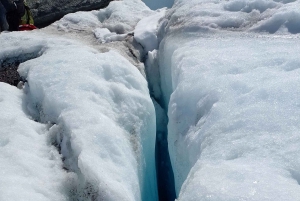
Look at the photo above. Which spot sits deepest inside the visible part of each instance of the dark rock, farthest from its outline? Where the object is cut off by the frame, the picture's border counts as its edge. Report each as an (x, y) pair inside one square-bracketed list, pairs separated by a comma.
[(9, 74), (47, 11), (3, 23)]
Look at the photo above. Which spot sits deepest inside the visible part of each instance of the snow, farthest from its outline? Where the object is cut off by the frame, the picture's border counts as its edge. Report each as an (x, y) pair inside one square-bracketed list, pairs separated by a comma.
[(146, 30), (119, 17), (103, 116), (231, 90), (30, 167), (84, 125), (105, 36), (78, 21), (239, 124), (237, 15), (122, 16)]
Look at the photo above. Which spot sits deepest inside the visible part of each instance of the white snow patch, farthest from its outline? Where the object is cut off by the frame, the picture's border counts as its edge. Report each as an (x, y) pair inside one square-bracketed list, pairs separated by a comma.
[(237, 15), (146, 30), (122, 16), (119, 17), (232, 98), (102, 105), (31, 169)]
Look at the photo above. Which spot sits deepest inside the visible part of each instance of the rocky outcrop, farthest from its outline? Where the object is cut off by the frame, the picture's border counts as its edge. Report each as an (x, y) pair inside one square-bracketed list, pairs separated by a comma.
[(3, 23), (9, 74), (48, 11)]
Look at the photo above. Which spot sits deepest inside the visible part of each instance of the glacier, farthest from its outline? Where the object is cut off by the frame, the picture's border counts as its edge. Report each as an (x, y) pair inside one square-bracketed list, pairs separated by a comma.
[(198, 100), (229, 77)]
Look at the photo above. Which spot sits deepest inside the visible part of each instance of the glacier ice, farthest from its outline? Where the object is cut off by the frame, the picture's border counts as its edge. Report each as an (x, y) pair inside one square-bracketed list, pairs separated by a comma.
[(227, 71), (30, 167), (146, 31), (102, 113), (232, 101)]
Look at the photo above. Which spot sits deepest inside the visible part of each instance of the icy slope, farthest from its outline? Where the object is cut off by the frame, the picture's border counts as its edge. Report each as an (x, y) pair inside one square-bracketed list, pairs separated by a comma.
[(93, 106), (106, 29), (227, 71), (30, 166), (237, 15), (233, 99), (103, 119)]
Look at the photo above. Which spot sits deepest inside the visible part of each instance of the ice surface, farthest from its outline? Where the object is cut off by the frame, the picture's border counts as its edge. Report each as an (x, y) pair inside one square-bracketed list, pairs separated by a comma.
[(105, 36), (228, 71), (233, 99), (31, 169), (236, 134), (79, 21), (106, 29), (146, 30), (122, 16), (238, 15), (105, 121), (119, 17)]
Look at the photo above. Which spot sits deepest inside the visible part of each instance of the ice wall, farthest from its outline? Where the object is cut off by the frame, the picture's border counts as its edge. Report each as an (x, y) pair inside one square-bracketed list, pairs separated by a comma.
[(101, 115), (232, 101)]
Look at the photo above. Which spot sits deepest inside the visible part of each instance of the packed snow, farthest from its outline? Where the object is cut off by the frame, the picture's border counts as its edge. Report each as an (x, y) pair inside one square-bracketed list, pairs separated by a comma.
[(146, 31), (102, 115), (119, 17), (231, 90), (236, 134), (107, 29), (30, 166), (122, 16), (83, 126)]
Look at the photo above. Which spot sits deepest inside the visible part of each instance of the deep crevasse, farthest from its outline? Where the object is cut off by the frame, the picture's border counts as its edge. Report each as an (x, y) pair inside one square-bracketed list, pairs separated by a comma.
[(231, 94), (102, 117)]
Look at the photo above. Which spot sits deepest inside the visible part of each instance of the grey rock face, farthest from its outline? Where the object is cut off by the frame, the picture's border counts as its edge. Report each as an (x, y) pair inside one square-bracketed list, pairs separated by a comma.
[(48, 11), (3, 23), (9, 74)]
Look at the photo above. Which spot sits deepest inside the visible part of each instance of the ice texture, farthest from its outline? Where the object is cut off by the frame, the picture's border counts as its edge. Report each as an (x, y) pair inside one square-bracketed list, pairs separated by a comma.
[(83, 128), (104, 119), (233, 100), (146, 30), (31, 169), (122, 16), (237, 15), (119, 17)]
